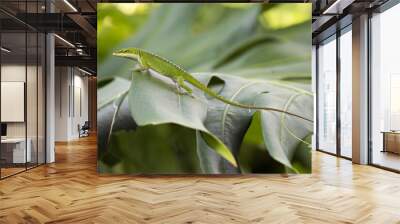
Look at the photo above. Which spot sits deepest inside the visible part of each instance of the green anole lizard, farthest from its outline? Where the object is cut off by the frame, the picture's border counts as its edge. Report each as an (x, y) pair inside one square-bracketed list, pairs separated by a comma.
[(147, 60)]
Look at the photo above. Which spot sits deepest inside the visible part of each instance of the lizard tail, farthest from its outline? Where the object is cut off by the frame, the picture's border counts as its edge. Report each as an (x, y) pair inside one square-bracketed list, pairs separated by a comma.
[(223, 99), (204, 88)]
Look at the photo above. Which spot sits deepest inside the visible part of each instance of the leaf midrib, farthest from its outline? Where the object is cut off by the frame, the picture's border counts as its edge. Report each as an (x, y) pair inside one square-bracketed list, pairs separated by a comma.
[(225, 113)]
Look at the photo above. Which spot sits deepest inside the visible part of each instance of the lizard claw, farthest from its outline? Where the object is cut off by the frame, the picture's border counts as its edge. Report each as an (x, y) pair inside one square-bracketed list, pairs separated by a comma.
[(186, 94)]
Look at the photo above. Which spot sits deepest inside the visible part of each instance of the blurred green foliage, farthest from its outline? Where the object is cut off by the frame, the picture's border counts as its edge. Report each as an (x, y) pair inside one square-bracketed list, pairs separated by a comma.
[(162, 149), (285, 15), (271, 42), (116, 22)]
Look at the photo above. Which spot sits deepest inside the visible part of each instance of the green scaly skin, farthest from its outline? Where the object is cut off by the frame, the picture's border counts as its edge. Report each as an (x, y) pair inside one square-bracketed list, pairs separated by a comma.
[(147, 60)]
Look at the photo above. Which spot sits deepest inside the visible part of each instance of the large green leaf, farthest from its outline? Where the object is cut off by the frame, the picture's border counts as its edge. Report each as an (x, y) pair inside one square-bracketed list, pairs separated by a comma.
[(282, 134), (152, 102), (253, 159), (230, 123), (110, 89)]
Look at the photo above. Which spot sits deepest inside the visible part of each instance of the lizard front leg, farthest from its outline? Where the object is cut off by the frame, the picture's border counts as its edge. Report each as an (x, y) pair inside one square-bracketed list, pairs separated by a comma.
[(139, 68)]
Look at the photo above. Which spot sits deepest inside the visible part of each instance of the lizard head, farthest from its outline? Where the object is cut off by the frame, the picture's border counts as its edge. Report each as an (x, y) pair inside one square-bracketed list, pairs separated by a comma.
[(130, 53)]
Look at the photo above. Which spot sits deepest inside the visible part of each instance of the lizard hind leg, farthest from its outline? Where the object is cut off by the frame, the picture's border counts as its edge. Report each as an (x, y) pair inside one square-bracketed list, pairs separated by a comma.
[(178, 88), (182, 84)]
